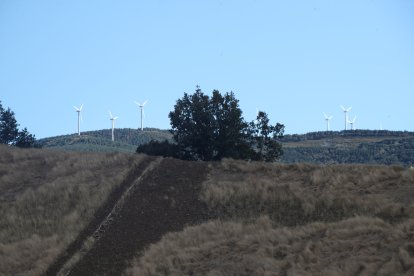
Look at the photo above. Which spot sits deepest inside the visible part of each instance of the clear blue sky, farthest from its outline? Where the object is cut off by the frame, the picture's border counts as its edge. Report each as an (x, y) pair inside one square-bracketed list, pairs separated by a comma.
[(292, 59)]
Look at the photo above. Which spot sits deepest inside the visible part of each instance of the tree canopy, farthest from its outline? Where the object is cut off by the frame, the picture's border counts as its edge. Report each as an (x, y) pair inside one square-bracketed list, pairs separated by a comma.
[(9, 132), (212, 128)]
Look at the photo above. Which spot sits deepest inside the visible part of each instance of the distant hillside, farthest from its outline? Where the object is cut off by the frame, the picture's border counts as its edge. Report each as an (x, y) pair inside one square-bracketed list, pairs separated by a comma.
[(357, 146), (327, 147), (126, 140)]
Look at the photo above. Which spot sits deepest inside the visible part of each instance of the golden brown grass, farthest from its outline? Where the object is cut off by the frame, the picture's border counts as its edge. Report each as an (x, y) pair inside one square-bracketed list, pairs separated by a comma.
[(296, 219), (296, 194), (46, 198), (356, 246)]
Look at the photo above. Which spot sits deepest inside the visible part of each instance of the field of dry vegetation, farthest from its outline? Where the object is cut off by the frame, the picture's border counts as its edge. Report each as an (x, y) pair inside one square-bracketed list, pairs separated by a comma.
[(46, 198), (298, 219), (269, 219)]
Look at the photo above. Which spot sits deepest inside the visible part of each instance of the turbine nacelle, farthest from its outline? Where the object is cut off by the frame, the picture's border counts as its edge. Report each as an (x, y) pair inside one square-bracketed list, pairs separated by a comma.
[(141, 105), (346, 109), (78, 109), (112, 117), (327, 117)]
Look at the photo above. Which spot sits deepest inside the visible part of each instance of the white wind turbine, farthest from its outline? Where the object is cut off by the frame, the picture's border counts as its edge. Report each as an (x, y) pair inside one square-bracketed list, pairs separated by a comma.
[(112, 118), (79, 110), (327, 119), (352, 123), (141, 106), (346, 110)]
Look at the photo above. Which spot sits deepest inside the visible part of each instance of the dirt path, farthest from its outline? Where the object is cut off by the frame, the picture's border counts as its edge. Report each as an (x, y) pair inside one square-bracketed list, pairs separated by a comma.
[(165, 200), (100, 215)]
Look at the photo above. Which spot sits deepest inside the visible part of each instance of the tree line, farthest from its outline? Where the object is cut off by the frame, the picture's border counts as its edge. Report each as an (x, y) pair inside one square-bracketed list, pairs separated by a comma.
[(212, 127), (9, 132)]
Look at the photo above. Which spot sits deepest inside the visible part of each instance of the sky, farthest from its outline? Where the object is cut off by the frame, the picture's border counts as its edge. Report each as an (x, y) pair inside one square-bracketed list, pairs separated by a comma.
[(292, 59)]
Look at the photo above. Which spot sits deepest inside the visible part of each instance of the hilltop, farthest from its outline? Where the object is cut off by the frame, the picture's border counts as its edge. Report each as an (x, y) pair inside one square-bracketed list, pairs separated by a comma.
[(126, 140), (95, 213), (358, 146), (355, 146)]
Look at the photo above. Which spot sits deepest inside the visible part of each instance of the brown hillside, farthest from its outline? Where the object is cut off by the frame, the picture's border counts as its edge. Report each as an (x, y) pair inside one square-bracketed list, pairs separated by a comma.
[(112, 214), (47, 198)]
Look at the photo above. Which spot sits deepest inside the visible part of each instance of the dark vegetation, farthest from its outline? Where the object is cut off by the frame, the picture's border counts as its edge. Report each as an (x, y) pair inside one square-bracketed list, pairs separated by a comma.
[(357, 146), (211, 128), (9, 132)]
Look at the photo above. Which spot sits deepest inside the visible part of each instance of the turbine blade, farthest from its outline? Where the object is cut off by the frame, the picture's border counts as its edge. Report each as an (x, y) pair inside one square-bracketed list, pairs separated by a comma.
[(77, 109), (116, 118), (110, 114), (349, 109), (137, 103), (324, 114), (144, 102), (80, 108), (343, 108)]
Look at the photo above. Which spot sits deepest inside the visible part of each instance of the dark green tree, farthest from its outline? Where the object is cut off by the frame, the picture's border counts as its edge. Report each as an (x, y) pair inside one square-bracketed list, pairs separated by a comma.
[(25, 140), (8, 126), (158, 148), (9, 132), (265, 138), (212, 128), (209, 128)]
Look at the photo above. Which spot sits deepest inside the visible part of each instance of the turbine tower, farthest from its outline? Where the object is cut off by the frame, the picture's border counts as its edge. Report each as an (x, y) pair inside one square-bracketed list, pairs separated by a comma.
[(327, 119), (141, 106), (79, 110), (346, 110), (352, 123), (112, 118)]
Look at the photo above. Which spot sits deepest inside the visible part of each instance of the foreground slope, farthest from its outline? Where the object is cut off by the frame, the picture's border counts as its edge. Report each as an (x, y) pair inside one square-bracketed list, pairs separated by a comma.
[(47, 198), (96, 214), (294, 220)]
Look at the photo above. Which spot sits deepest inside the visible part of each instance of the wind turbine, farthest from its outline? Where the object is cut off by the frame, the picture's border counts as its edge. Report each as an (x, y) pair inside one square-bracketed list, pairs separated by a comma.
[(112, 118), (79, 116), (327, 119), (141, 106), (346, 110), (352, 123)]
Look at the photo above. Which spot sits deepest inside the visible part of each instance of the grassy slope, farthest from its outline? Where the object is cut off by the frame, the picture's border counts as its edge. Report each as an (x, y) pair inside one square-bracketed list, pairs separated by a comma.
[(295, 220), (46, 198)]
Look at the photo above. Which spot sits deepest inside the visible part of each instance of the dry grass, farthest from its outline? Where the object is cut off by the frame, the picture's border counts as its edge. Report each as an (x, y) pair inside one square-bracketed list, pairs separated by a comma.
[(356, 246), (297, 219), (46, 198), (300, 193)]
